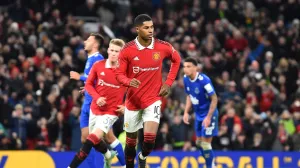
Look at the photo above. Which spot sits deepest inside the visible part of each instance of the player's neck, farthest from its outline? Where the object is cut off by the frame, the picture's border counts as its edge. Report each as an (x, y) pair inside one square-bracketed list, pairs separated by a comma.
[(143, 42), (92, 52), (113, 64), (193, 76)]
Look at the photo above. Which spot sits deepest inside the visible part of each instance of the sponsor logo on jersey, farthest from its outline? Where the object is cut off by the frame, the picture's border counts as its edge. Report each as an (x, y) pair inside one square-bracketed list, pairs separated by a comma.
[(194, 100), (138, 69), (136, 58), (102, 83)]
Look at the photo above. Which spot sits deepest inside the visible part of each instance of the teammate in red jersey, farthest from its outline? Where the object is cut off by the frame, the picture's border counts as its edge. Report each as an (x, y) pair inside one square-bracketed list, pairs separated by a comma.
[(140, 70), (107, 94)]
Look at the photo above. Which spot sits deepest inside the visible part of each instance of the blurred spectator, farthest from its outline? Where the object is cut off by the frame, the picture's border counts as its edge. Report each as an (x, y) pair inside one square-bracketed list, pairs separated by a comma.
[(164, 138), (296, 139), (19, 125), (59, 131), (258, 142), (231, 119), (40, 145), (287, 122), (285, 140), (223, 140), (57, 147), (75, 128), (88, 9), (237, 43), (178, 132), (240, 142)]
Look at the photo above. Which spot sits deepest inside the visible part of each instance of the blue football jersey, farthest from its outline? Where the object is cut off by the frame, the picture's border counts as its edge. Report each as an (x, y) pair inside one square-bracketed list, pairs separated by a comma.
[(200, 89), (88, 66)]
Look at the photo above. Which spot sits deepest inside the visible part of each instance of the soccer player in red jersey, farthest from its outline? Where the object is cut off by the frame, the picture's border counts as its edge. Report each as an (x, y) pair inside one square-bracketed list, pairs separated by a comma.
[(140, 70), (107, 94)]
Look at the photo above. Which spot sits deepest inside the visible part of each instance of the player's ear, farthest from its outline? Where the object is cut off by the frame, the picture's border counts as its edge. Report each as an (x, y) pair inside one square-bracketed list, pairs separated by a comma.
[(137, 29)]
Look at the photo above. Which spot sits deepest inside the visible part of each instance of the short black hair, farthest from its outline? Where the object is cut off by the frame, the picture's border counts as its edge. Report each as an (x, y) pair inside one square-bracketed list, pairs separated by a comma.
[(140, 19), (99, 38), (191, 60)]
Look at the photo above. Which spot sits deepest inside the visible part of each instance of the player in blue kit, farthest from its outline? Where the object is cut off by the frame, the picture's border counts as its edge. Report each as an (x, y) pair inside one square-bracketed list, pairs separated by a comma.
[(202, 97), (92, 46)]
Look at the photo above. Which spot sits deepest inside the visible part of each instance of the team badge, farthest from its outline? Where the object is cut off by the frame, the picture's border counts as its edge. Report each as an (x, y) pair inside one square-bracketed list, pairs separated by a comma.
[(126, 125), (197, 90), (156, 56)]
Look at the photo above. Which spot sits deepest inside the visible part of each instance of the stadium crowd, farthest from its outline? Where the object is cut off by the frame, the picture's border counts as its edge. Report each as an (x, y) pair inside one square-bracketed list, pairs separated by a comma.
[(249, 48)]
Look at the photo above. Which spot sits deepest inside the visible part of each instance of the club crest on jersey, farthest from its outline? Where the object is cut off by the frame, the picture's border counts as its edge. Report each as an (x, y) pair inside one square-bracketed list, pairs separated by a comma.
[(156, 56), (136, 69), (197, 91)]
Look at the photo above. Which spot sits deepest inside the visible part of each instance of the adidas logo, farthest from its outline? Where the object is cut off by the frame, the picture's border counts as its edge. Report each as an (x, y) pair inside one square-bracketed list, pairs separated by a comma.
[(136, 58), (102, 73)]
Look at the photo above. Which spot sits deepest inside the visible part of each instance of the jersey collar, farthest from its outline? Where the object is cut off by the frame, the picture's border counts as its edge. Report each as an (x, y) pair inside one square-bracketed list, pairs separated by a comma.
[(140, 47), (94, 54), (107, 64), (193, 80)]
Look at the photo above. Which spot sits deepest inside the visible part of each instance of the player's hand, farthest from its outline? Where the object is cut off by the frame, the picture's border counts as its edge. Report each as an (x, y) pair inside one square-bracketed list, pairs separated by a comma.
[(101, 101), (134, 83), (81, 90), (74, 75), (186, 118), (120, 109), (206, 122), (164, 90)]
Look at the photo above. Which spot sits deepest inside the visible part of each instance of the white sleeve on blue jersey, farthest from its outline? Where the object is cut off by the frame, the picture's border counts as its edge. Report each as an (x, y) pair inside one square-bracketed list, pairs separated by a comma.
[(208, 86)]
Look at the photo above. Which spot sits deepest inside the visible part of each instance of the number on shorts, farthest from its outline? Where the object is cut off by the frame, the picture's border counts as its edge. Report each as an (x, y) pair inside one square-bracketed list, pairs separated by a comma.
[(157, 112), (208, 130), (108, 121)]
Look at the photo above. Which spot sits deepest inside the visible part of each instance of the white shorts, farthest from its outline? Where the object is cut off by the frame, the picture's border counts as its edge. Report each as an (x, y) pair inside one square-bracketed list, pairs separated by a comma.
[(103, 122), (134, 120)]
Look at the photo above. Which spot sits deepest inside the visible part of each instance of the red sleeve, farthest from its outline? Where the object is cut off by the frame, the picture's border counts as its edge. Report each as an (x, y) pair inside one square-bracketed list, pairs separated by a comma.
[(90, 82), (122, 70), (175, 59)]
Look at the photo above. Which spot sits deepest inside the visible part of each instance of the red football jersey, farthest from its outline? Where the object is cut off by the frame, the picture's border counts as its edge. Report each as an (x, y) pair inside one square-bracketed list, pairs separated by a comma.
[(145, 64), (101, 82)]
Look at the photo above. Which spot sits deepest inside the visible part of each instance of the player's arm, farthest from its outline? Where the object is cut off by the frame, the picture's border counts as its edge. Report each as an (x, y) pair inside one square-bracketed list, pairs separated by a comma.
[(90, 82), (213, 104), (188, 106), (76, 76), (122, 70), (83, 78), (175, 64), (90, 88)]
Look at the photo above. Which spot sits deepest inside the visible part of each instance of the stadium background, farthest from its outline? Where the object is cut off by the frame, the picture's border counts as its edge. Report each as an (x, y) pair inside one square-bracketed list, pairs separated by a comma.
[(250, 49)]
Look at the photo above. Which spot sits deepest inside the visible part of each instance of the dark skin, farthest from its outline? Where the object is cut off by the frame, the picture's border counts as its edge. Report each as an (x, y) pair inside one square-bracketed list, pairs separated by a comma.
[(145, 35)]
